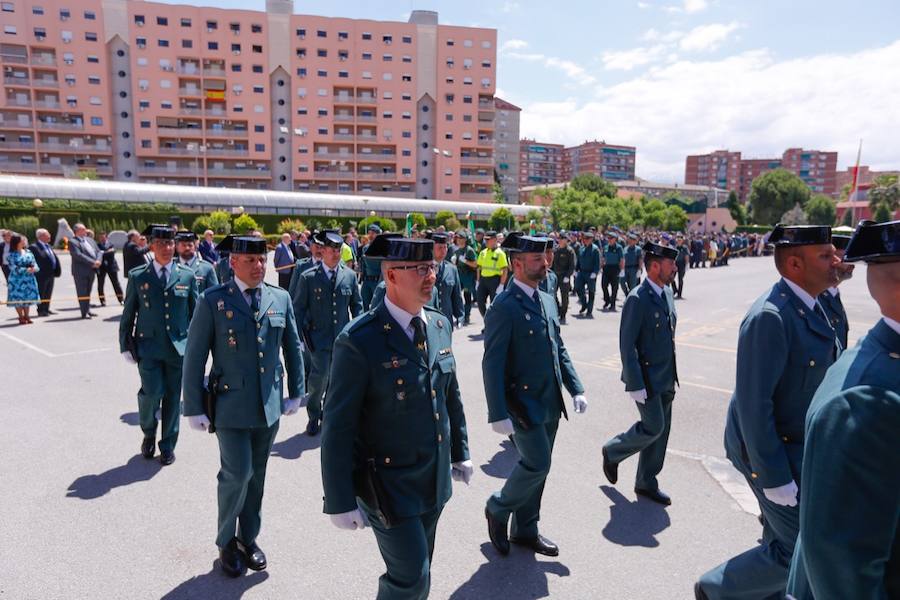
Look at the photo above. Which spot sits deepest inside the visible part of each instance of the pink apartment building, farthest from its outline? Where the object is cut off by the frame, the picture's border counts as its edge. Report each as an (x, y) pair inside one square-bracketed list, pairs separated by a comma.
[(142, 91)]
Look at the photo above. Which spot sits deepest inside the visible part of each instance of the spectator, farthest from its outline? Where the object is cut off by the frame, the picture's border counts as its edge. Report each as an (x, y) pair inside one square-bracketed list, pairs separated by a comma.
[(85, 263), (22, 292), (134, 254), (49, 269), (207, 248), (284, 261), (108, 267), (4, 253)]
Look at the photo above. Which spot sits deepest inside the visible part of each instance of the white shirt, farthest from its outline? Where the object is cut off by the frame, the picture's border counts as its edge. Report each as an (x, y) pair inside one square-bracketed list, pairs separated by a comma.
[(328, 271), (834, 291), (169, 268), (529, 291), (403, 318), (808, 300), (892, 324), (244, 287), (656, 288)]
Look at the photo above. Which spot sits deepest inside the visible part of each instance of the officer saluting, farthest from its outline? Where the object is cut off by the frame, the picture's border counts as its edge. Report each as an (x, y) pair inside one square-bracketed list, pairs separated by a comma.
[(447, 284), (245, 323), (159, 302), (326, 298), (647, 346), (830, 299), (394, 430), (204, 272), (525, 368), (785, 346), (849, 545)]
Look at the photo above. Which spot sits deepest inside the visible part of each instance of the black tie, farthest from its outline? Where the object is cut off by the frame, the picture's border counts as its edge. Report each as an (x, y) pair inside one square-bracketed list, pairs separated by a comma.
[(254, 301), (419, 334), (163, 276), (333, 279)]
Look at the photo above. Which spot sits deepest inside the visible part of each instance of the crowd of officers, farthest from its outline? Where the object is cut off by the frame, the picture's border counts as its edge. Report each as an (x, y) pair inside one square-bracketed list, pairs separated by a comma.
[(394, 434)]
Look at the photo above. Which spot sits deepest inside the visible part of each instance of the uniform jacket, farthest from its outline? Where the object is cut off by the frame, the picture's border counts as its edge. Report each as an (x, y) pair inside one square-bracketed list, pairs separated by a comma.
[(246, 356), (204, 273), (783, 352), (449, 291), (300, 266), (396, 408), (322, 311), (849, 544), (564, 262), (525, 362), (224, 272), (632, 257), (647, 340), (588, 259), (550, 283), (370, 268), (158, 316), (613, 254), (834, 308), (47, 261), (108, 263), (82, 262)]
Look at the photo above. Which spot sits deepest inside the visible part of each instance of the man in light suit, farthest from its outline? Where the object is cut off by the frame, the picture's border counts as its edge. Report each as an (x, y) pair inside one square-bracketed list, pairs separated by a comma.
[(86, 259), (50, 269), (284, 261)]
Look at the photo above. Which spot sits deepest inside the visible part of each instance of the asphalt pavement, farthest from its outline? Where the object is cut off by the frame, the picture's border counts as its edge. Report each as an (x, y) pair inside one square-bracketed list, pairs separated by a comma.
[(85, 516)]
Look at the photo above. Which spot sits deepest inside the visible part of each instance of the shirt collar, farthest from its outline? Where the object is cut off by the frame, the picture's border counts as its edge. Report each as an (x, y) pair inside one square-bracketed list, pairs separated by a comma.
[(808, 300), (189, 263), (654, 287), (243, 286), (892, 324), (402, 317), (158, 268), (529, 291), (834, 291)]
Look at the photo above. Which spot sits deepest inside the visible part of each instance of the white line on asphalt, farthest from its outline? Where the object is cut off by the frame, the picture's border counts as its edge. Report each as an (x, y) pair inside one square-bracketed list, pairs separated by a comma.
[(48, 354), (687, 383), (731, 481), (77, 352)]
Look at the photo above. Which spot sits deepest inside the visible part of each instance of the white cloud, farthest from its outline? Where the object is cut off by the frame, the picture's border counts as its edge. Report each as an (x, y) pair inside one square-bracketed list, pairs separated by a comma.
[(654, 35), (570, 69), (688, 6), (513, 45), (643, 5), (705, 38), (626, 60), (749, 102)]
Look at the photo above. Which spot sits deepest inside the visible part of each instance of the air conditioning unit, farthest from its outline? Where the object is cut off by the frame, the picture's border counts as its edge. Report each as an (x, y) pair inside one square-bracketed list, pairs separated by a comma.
[(169, 68), (236, 52)]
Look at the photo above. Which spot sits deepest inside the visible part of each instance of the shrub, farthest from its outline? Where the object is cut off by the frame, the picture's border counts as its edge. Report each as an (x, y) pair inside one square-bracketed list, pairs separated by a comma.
[(289, 225), (244, 224)]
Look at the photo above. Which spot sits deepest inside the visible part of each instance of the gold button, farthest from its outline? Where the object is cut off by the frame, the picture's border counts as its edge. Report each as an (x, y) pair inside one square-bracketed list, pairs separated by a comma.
[(167, 327), (167, 316), (260, 354), (165, 293), (525, 387), (146, 305), (260, 340), (335, 321), (399, 382), (784, 438), (754, 475), (812, 363), (225, 387), (530, 332), (262, 369), (387, 460), (167, 305)]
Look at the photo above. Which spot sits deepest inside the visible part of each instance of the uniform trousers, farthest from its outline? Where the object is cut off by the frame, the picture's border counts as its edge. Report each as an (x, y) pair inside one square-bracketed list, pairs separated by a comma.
[(649, 437), (586, 288), (562, 301), (678, 287), (468, 293), (610, 282), (407, 549), (83, 285), (160, 389), (366, 291), (629, 282), (243, 456), (113, 279), (487, 288), (317, 384), (522, 492)]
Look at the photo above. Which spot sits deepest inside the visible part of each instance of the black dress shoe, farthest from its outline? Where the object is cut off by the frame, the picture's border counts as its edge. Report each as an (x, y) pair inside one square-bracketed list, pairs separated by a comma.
[(497, 533), (699, 594), (50, 312), (255, 557), (148, 447), (312, 428), (610, 469), (656, 495), (93, 314), (232, 559), (539, 545), (166, 457), (87, 316)]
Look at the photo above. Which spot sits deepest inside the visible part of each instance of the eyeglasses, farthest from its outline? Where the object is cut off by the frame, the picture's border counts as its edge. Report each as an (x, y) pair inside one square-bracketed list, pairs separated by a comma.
[(422, 270)]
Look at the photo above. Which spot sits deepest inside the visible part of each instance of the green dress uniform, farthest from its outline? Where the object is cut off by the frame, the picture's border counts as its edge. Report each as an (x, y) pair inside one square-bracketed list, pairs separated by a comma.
[(681, 265), (401, 410), (647, 348), (613, 255), (837, 316), (323, 307), (549, 284), (633, 256), (156, 317), (525, 368), (448, 292), (204, 273), (224, 272), (586, 286), (371, 276), (564, 267), (245, 341), (467, 277)]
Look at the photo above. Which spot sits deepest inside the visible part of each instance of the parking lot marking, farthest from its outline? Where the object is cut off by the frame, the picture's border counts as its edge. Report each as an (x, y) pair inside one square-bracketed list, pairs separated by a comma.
[(703, 347), (48, 354), (606, 364)]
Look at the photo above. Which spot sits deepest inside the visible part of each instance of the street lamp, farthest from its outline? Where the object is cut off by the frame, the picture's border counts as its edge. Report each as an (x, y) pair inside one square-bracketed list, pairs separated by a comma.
[(200, 148), (446, 153), (37, 203)]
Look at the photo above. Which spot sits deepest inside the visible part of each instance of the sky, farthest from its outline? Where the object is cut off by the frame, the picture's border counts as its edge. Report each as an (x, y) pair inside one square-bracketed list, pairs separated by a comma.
[(679, 77)]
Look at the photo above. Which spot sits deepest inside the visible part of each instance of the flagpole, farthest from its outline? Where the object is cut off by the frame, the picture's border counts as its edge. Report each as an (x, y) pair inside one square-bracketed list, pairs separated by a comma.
[(855, 187)]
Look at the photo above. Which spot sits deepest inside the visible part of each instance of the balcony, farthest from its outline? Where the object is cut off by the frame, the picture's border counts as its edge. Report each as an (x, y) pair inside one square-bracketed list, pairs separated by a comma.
[(213, 72), (43, 60), (476, 177), (375, 175), (344, 136), (17, 102), (484, 141), (190, 92), (227, 151), (365, 99), (477, 196), (60, 125), (366, 119), (367, 137), (16, 124), (372, 157), (343, 118), (47, 168), (79, 148), (390, 193), (25, 146), (191, 132), (247, 173), (476, 160), (45, 83), (330, 174), (49, 104), (226, 133), (209, 112), (176, 151), (17, 167), (333, 156), (171, 172), (17, 81), (188, 69), (14, 59)]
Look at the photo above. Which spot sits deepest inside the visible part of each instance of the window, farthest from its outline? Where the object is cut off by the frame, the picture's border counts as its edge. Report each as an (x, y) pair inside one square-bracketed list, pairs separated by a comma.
[(387, 76), (449, 80), (467, 63), (144, 104), (235, 27), (467, 43), (68, 58), (64, 14), (212, 45), (367, 56), (407, 39), (165, 83), (301, 33), (467, 99), (90, 15), (235, 48), (93, 59), (448, 117), (387, 57), (39, 32), (97, 121), (187, 43), (387, 39), (256, 49), (163, 43), (406, 115), (256, 28), (467, 118), (321, 33), (212, 25), (185, 22), (322, 131), (366, 36), (142, 61), (139, 20), (322, 92), (485, 82), (467, 81), (448, 136), (259, 108), (322, 53), (449, 98), (343, 74), (257, 89), (146, 143), (407, 78), (301, 72), (145, 124), (388, 95), (343, 35), (301, 92), (387, 115), (322, 73), (406, 153), (322, 112), (238, 108), (301, 52), (406, 134), (162, 21), (165, 104), (141, 42), (94, 80), (367, 75), (9, 29), (449, 42), (302, 111), (259, 128), (486, 64), (259, 147), (66, 36), (257, 68), (407, 59), (485, 44)]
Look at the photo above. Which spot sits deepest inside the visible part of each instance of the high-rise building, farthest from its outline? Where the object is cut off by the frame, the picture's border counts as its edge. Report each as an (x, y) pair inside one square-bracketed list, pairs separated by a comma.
[(142, 91), (540, 163), (506, 148), (609, 161)]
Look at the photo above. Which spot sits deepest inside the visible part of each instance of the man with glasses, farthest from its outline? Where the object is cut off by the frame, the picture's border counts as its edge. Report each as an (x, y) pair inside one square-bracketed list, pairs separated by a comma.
[(204, 272), (394, 433), (159, 303)]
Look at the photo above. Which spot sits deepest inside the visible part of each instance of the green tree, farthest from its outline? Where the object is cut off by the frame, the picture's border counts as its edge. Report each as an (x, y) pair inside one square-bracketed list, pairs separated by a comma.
[(882, 213), (775, 193), (244, 224), (588, 182), (219, 222), (419, 221), (383, 222), (820, 210), (737, 210), (654, 213), (795, 216), (442, 215), (675, 218), (289, 225), (499, 196), (885, 191), (501, 218), (453, 224), (89, 174)]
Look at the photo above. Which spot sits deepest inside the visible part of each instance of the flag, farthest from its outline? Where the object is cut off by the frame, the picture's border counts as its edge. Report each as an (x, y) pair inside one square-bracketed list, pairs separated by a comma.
[(409, 224), (471, 225), (531, 227), (854, 186)]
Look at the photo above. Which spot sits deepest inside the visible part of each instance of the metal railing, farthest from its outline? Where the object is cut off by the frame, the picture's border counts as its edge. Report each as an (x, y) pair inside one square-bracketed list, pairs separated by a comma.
[(17, 102), (17, 146), (476, 160), (82, 148), (376, 175), (22, 81), (60, 125), (242, 133), (40, 82)]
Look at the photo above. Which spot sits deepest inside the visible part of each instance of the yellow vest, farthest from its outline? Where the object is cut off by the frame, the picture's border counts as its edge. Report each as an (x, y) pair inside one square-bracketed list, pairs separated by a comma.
[(492, 262)]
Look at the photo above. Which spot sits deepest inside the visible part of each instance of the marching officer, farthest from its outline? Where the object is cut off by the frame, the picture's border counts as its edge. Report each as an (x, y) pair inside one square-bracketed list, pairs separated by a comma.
[(493, 270), (647, 347), (327, 298), (204, 272), (588, 265), (613, 262), (564, 266), (371, 269), (849, 544), (246, 324), (550, 283), (394, 432), (447, 284), (466, 260), (307, 262), (785, 346), (525, 369), (681, 265), (830, 299), (159, 301), (223, 266), (634, 264)]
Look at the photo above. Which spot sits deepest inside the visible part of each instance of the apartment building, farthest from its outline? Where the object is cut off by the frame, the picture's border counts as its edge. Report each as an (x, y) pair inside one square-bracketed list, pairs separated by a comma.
[(540, 163), (506, 148), (261, 100), (609, 161)]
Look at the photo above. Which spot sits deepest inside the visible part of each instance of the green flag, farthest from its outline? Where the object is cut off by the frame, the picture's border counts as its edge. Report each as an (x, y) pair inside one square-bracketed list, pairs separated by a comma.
[(531, 228), (409, 224), (471, 225)]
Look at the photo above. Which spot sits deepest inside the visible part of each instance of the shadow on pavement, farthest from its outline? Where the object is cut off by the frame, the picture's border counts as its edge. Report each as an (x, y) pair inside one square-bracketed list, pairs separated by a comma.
[(519, 575), (294, 446), (66, 320), (502, 463), (476, 337), (89, 487), (634, 523), (216, 584), (131, 418), (113, 319)]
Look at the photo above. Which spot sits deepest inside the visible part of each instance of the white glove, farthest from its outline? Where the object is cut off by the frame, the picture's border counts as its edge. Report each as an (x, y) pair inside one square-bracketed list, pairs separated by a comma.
[(639, 396), (158, 414), (593, 276), (579, 403), (566, 280), (500, 289), (785, 495), (291, 406), (198, 422), (462, 471), (504, 427), (302, 347), (349, 520), (129, 358)]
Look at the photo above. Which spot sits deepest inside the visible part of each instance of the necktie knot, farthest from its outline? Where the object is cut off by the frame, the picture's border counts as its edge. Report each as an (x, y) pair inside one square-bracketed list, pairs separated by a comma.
[(254, 299), (164, 275)]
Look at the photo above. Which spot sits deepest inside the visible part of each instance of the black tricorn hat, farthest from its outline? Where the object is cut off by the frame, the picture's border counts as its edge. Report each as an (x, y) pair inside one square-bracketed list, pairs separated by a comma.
[(393, 246), (840, 241), (800, 235), (159, 232), (874, 242), (439, 237), (246, 244), (517, 241), (329, 237), (185, 236), (225, 244), (660, 250)]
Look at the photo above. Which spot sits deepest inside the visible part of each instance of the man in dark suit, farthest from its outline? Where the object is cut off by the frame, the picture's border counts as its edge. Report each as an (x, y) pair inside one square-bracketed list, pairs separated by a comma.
[(4, 252), (207, 248), (284, 261), (134, 255), (85, 263), (50, 269), (108, 267)]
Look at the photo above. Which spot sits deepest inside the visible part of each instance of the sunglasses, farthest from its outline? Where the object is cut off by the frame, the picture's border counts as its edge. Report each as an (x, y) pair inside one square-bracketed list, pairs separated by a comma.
[(422, 270)]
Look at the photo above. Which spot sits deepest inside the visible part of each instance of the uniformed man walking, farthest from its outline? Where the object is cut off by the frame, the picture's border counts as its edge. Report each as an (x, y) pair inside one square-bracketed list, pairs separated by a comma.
[(327, 298), (564, 267), (394, 431), (204, 272), (447, 284), (493, 269), (525, 369), (370, 270), (159, 301), (224, 272), (681, 265), (246, 324), (830, 299), (785, 346), (647, 347), (588, 266), (550, 283), (849, 544), (634, 264), (465, 258), (613, 262), (309, 262)]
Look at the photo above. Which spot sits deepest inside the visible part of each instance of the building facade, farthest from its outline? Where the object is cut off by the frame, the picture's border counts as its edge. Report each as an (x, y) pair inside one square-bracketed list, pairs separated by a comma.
[(609, 161), (140, 91), (506, 148), (540, 163)]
